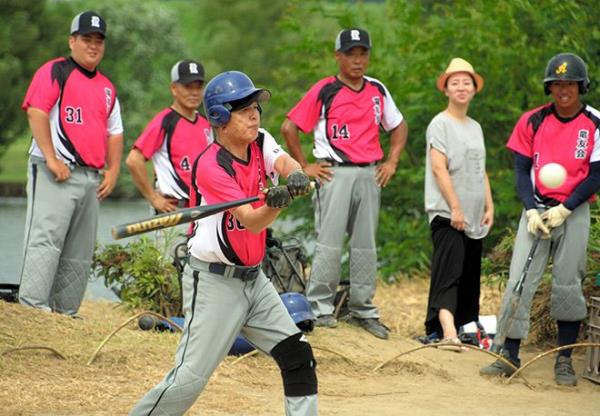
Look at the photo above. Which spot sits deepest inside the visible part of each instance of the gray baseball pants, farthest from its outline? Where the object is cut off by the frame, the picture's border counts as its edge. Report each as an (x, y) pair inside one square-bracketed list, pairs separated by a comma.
[(568, 248), (217, 309), (60, 234), (349, 203)]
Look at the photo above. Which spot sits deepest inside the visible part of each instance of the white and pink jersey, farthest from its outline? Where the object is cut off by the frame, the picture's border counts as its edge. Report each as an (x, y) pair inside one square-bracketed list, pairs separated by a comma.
[(346, 122), (173, 143), (545, 137), (83, 109), (218, 177)]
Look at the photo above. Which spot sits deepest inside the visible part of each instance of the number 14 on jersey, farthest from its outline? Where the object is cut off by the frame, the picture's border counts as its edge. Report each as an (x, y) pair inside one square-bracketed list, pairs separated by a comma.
[(340, 132)]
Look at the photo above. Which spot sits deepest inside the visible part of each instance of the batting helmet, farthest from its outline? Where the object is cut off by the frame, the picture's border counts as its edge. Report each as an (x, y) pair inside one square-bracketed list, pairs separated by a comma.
[(567, 67), (227, 92), (240, 346), (299, 309)]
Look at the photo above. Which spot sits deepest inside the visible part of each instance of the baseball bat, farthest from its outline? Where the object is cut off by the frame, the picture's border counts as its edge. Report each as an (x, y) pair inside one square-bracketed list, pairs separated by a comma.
[(508, 314), (180, 216)]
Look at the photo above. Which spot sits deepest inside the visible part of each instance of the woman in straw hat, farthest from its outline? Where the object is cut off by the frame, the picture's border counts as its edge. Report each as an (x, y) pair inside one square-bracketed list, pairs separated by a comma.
[(458, 201)]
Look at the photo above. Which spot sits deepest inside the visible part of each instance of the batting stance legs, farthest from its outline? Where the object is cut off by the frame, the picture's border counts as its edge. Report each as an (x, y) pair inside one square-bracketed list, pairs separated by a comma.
[(58, 251), (349, 203), (254, 307)]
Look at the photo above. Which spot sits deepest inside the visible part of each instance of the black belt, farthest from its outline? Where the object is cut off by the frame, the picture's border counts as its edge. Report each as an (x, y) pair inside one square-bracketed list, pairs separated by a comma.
[(360, 165), (245, 274)]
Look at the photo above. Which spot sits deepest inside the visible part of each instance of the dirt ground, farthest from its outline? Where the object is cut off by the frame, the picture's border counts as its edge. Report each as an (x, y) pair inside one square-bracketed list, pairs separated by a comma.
[(426, 382)]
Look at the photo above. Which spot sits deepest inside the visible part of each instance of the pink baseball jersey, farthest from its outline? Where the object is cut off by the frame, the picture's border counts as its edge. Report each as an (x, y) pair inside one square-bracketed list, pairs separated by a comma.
[(346, 122), (545, 137), (82, 107), (218, 177), (173, 143)]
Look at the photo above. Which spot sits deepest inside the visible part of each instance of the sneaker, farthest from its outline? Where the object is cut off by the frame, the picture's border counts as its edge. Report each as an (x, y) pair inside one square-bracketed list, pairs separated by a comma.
[(327, 321), (564, 374), (500, 368), (429, 339), (371, 325)]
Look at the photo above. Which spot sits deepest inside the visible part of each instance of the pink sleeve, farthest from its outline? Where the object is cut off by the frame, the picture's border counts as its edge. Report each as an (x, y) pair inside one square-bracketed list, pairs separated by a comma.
[(306, 113), (151, 138), (43, 92), (521, 139), (216, 186)]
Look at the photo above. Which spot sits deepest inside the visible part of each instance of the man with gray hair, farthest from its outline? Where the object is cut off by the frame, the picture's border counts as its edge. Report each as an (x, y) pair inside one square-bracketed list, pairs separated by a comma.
[(345, 112)]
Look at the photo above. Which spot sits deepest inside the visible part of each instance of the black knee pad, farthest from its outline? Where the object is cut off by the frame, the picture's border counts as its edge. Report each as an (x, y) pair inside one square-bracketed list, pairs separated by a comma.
[(297, 363)]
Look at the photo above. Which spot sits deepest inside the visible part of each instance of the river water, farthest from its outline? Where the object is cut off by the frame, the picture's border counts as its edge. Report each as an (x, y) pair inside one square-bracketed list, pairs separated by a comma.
[(12, 228)]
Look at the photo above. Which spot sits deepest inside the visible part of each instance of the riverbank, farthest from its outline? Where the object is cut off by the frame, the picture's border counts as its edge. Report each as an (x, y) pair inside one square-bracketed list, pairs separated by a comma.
[(425, 382), (12, 190)]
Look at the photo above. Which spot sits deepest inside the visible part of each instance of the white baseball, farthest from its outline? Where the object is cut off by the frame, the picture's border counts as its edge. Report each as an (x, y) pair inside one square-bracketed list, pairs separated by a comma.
[(552, 175)]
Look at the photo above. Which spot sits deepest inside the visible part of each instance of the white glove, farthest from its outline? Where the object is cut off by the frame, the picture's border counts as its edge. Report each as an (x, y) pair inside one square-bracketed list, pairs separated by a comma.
[(535, 222), (555, 216)]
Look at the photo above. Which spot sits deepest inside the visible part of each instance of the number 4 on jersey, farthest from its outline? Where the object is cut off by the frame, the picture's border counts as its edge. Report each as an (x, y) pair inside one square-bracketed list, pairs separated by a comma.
[(340, 133), (185, 164)]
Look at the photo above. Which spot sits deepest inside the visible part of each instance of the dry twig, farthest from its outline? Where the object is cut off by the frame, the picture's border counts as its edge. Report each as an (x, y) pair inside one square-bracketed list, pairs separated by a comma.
[(33, 347), (473, 347), (124, 324)]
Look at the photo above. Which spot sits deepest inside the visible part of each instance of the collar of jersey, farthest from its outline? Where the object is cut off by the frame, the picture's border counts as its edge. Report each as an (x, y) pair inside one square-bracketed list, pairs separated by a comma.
[(349, 87), (237, 159), (184, 117), (86, 72), (566, 119)]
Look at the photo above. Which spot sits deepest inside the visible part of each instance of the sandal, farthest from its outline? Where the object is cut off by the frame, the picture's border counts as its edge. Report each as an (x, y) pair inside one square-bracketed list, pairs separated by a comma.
[(451, 344)]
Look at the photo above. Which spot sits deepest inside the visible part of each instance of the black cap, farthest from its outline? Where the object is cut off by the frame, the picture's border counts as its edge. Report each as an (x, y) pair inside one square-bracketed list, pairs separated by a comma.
[(349, 38), (185, 72), (88, 22)]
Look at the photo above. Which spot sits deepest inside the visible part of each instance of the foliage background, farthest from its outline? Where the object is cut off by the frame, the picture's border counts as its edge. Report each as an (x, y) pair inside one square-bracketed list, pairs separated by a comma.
[(288, 45)]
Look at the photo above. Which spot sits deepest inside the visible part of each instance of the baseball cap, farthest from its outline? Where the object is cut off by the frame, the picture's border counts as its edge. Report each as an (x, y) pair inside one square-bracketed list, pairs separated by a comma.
[(187, 71), (349, 38), (88, 22)]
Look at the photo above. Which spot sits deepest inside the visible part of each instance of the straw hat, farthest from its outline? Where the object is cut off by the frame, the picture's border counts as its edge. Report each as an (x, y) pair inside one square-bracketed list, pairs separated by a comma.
[(459, 65)]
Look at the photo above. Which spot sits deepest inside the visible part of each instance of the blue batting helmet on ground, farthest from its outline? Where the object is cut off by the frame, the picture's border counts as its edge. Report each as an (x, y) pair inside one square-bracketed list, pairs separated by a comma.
[(240, 346), (225, 90), (299, 309)]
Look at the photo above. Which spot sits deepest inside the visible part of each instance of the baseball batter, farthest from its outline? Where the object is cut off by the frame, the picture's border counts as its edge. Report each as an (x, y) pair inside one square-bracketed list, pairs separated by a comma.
[(173, 139), (565, 131), (75, 120), (224, 289), (345, 112)]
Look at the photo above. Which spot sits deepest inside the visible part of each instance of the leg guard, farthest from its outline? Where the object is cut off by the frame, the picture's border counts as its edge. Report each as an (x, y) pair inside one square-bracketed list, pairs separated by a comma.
[(69, 285), (324, 279), (297, 363)]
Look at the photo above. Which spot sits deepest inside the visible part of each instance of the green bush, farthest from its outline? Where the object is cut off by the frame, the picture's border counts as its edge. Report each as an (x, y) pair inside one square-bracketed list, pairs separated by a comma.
[(142, 274)]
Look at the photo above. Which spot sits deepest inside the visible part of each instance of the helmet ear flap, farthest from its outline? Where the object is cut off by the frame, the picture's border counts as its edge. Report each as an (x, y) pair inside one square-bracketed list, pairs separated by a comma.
[(218, 115), (584, 86)]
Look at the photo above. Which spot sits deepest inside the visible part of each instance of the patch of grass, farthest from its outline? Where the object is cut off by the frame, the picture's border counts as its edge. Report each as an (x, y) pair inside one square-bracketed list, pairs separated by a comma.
[(13, 164)]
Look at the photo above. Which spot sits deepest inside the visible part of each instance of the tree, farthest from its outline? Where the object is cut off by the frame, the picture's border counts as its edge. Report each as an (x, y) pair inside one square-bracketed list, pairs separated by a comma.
[(143, 42), (28, 36), (509, 43)]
